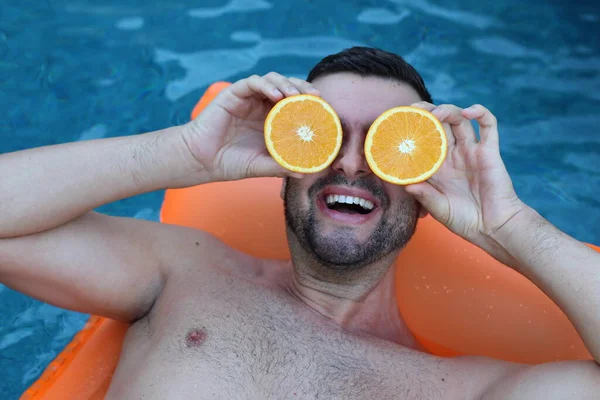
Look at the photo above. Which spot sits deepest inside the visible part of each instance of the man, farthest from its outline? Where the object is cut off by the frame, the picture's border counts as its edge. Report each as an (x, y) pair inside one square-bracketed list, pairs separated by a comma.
[(211, 323)]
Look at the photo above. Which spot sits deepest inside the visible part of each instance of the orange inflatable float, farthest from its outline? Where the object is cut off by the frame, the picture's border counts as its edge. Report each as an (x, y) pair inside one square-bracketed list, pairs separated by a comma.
[(454, 297)]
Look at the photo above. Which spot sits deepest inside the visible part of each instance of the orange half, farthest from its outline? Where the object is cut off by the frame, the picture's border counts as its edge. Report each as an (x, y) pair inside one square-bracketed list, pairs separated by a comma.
[(303, 133), (406, 145)]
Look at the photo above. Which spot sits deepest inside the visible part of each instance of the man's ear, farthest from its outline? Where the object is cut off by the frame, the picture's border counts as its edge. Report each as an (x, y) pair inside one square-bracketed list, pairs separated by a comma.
[(283, 187)]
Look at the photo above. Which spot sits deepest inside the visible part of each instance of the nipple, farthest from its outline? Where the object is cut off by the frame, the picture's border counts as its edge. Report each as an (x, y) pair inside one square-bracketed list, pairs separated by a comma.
[(195, 337)]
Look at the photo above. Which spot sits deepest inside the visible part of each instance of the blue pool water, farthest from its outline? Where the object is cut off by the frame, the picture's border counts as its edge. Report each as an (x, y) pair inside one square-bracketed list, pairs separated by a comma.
[(76, 70)]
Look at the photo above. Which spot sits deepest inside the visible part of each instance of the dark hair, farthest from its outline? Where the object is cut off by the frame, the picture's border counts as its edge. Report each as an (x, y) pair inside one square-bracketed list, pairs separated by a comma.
[(367, 61)]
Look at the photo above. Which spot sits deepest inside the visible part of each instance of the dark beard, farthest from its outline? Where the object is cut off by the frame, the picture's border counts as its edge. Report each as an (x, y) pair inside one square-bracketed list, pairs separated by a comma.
[(340, 251)]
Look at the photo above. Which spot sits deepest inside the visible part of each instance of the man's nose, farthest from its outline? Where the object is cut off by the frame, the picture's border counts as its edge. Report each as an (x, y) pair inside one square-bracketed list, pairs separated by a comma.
[(351, 159)]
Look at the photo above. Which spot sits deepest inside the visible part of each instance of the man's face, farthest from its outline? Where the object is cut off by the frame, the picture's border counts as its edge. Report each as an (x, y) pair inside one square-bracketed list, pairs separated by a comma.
[(343, 236)]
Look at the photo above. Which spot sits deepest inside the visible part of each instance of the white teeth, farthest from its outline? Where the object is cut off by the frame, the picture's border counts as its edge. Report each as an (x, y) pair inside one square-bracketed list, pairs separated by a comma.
[(334, 198)]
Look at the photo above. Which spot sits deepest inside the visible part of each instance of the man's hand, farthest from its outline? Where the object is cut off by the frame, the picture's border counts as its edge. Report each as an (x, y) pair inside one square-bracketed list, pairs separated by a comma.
[(472, 193), (473, 196), (227, 138)]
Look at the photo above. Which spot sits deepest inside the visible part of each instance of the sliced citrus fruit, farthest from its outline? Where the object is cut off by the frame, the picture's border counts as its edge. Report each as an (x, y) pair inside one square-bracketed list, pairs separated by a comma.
[(303, 133), (405, 145)]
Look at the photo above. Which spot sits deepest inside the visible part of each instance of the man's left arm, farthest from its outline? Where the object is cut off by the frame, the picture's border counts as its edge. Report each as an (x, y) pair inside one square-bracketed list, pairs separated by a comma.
[(565, 269), (568, 272), (473, 196)]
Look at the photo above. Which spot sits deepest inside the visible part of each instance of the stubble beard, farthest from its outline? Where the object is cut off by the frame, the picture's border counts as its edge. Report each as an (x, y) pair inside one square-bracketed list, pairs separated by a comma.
[(340, 251)]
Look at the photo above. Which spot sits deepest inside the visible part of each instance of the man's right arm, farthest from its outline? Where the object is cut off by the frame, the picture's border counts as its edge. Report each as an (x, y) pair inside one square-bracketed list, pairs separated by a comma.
[(55, 248)]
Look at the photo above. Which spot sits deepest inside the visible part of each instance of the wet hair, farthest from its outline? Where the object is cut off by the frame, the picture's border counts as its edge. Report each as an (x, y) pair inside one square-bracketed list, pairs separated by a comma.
[(368, 61)]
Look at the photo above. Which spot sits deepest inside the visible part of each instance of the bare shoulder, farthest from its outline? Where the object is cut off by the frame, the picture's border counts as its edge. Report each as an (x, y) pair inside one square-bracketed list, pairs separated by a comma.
[(555, 380), (184, 250)]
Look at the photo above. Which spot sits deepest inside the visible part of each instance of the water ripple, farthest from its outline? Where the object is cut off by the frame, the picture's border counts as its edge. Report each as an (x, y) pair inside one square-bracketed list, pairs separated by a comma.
[(582, 86), (553, 131), (234, 6), (95, 9), (130, 24), (499, 46), (590, 17), (14, 336), (245, 36), (95, 132), (453, 15), (207, 66), (381, 16)]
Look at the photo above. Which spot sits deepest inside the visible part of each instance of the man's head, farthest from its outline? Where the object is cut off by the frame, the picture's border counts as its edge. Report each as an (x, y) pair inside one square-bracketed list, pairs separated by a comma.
[(360, 84)]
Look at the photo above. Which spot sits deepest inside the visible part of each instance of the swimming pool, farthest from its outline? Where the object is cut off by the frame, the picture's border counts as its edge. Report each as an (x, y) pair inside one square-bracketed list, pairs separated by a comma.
[(77, 70)]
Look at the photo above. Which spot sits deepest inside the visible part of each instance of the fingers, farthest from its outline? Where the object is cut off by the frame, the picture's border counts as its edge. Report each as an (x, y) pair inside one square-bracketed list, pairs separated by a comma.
[(462, 130), (424, 105), (488, 125), (273, 86), (461, 127), (460, 122), (304, 87), (258, 84)]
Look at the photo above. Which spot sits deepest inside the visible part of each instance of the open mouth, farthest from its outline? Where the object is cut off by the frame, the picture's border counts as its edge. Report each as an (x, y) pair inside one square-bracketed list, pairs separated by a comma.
[(349, 204)]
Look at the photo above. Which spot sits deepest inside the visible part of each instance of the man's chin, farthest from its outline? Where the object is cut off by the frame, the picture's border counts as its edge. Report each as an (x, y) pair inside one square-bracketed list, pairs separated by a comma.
[(342, 252), (344, 237)]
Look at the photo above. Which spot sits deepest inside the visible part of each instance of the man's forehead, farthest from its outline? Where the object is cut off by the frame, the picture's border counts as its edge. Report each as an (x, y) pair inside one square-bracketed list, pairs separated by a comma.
[(360, 100)]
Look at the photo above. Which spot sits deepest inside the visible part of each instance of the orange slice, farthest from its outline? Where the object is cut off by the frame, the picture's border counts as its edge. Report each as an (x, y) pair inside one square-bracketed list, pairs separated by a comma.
[(303, 133), (405, 145)]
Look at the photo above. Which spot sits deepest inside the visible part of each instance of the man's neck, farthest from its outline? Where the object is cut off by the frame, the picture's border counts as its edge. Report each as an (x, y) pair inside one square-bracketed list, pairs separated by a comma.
[(363, 303)]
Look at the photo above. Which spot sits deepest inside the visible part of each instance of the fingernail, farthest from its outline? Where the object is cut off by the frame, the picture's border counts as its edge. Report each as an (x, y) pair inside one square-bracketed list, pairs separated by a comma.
[(293, 90), (277, 93)]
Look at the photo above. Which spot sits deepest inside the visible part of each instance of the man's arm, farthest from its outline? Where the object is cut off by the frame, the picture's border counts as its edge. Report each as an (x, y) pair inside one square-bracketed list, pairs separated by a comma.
[(565, 269), (472, 194), (52, 247), (569, 273), (45, 187)]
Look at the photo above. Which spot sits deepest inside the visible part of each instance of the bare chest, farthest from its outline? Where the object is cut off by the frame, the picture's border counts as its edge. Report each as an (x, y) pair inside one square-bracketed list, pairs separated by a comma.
[(236, 339)]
